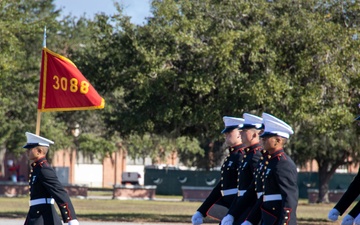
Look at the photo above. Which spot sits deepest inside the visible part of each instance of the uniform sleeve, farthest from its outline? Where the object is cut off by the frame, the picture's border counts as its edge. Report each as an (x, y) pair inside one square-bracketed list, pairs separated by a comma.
[(241, 203), (255, 160), (287, 180), (52, 184), (213, 197), (355, 211), (254, 216), (350, 195)]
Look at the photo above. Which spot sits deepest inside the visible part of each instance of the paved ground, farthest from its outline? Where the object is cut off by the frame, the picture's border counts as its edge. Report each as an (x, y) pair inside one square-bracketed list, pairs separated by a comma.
[(4, 221)]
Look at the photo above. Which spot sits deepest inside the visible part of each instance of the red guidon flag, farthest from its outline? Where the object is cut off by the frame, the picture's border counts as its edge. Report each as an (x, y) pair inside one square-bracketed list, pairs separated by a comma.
[(63, 87)]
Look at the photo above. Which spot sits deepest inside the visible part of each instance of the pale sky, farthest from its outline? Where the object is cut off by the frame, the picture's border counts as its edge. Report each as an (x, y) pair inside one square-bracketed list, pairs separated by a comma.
[(136, 9)]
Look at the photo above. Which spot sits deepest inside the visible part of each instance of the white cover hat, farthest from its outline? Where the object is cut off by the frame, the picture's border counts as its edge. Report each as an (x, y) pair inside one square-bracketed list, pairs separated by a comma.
[(275, 128), (267, 116), (252, 121), (34, 140), (231, 123)]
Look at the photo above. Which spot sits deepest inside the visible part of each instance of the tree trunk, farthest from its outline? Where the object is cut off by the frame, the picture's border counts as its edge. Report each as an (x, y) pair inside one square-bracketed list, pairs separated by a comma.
[(323, 188), (324, 179)]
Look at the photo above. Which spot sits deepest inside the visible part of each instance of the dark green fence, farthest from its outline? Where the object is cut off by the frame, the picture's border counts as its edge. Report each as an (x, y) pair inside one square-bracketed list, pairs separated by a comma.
[(169, 182)]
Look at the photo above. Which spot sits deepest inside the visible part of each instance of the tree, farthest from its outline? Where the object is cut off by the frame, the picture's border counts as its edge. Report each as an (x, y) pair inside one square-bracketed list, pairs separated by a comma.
[(195, 61), (318, 63), (22, 23)]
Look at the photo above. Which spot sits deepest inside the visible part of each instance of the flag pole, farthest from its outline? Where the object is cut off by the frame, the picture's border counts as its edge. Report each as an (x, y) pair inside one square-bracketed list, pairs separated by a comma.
[(38, 118)]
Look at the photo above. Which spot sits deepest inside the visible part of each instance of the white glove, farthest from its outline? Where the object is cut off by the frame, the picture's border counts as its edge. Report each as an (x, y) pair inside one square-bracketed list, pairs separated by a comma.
[(227, 220), (333, 214), (73, 222), (348, 220), (246, 223), (197, 218), (357, 220)]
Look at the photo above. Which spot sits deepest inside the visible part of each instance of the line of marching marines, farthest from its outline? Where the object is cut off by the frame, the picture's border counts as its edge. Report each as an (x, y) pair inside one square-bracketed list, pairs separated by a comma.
[(258, 182)]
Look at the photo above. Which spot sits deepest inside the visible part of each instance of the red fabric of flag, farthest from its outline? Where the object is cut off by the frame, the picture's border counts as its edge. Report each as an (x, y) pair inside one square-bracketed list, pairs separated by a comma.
[(63, 87)]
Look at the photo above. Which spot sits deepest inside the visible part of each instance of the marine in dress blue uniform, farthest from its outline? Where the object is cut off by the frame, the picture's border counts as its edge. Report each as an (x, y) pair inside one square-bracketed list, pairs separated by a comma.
[(275, 183), (352, 192), (45, 188), (248, 205), (280, 198), (226, 189), (250, 135)]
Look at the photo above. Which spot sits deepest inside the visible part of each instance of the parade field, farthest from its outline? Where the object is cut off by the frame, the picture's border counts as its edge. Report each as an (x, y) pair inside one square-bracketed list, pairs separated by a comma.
[(162, 210)]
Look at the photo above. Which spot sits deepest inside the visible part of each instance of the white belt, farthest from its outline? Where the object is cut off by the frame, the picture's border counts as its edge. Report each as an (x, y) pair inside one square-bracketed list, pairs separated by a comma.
[(229, 191), (241, 192), (259, 194), (41, 201), (275, 197)]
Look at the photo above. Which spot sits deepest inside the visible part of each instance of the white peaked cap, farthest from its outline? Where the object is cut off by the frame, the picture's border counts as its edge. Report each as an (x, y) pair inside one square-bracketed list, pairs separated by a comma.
[(252, 121), (267, 116), (275, 128), (232, 123), (34, 140)]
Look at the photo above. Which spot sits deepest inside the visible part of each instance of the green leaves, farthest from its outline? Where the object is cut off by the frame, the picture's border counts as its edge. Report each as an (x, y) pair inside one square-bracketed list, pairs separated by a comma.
[(193, 62)]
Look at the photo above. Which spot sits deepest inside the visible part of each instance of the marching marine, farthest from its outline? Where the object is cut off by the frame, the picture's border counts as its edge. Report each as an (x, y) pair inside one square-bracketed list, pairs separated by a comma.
[(280, 187), (45, 187), (226, 189), (350, 195), (250, 134)]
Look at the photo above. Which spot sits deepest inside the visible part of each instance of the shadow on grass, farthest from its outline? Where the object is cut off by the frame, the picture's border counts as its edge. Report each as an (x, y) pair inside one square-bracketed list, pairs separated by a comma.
[(15, 215), (141, 217), (137, 217)]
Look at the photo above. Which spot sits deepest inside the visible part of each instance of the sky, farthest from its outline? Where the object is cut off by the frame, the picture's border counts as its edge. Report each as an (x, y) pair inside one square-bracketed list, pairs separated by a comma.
[(136, 9)]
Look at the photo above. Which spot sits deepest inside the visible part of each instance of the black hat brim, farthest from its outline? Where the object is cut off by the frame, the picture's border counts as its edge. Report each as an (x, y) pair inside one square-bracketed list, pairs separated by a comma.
[(228, 129), (268, 134), (251, 126), (30, 145)]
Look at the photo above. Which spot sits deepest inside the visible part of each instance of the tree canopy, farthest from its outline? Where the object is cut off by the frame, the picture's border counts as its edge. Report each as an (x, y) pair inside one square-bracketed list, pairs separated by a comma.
[(168, 83)]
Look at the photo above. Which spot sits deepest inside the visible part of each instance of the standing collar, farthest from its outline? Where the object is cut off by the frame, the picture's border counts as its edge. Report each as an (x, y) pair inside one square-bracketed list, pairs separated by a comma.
[(38, 162), (236, 148)]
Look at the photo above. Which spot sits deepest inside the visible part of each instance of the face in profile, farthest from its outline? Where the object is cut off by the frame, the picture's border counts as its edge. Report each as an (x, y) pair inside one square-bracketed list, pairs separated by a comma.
[(233, 137), (248, 135), (32, 153)]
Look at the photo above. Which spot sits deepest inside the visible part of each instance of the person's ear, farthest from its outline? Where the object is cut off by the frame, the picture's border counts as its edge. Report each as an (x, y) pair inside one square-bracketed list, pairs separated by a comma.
[(38, 150)]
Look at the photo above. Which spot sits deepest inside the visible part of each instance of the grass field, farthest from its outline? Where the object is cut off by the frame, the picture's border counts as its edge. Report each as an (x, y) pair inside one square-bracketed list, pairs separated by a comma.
[(163, 210)]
